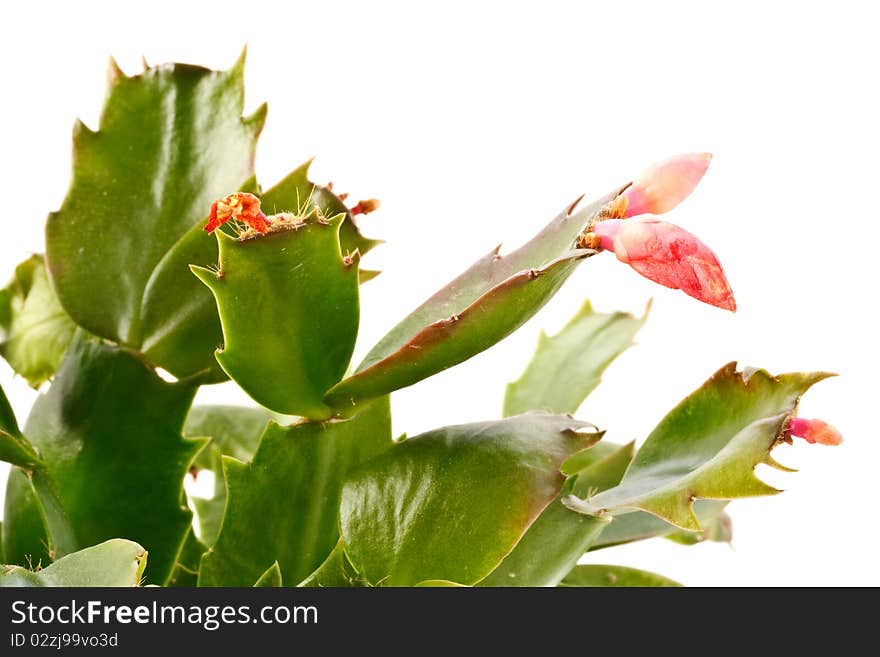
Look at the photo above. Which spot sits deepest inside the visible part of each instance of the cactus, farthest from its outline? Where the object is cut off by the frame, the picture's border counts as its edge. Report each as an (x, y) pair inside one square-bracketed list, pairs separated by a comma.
[(168, 258)]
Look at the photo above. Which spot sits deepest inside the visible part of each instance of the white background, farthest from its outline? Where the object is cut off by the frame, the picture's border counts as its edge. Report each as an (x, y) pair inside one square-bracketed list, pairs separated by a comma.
[(474, 123)]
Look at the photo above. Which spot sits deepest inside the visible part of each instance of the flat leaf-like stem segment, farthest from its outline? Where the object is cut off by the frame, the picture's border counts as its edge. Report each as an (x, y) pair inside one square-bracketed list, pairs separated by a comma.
[(234, 431), (108, 432), (14, 447), (614, 576), (288, 304), (569, 365), (171, 140), (271, 578), (450, 504), (707, 447), (486, 303), (288, 496), (34, 329), (116, 562), (558, 538), (336, 571)]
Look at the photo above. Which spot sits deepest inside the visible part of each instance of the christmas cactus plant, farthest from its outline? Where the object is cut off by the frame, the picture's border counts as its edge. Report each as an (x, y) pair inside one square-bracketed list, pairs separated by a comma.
[(169, 267)]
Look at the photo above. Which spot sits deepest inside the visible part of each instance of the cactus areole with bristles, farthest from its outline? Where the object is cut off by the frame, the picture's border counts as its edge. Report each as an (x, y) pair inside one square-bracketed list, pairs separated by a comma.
[(183, 271)]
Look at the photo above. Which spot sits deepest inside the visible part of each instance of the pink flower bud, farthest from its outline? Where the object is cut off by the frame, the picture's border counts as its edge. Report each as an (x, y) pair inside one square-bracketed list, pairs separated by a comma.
[(665, 184), (668, 255), (814, 431), (365, 207)]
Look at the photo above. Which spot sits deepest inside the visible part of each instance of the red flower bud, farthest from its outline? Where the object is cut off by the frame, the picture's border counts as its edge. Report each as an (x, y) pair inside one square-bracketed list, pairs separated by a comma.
[(668, 255), (665, 184), (365, 207), (241, 206), (814, 431)]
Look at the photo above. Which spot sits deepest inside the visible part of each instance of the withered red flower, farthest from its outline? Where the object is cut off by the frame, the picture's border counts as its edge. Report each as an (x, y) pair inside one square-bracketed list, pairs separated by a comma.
[(241, 206)]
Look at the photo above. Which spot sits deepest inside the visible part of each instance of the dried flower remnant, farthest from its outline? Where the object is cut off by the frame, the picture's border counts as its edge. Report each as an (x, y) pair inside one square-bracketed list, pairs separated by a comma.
[(240, 206)]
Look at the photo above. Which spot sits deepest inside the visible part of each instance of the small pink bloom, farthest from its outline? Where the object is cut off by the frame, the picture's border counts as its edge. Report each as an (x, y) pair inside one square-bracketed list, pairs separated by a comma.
[(241, 206), (665, 184), (814, 431), (668, 255)]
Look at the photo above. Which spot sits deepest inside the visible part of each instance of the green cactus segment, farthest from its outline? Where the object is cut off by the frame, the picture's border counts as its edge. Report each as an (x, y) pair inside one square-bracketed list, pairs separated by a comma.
[(288, 495), (594, 575), (602, 467), (116, 562), (14, 447), (171, 141), (454, 339), (707, 447), (559, 537), (209, 511), (640, 526), (234, 431), (296, 193), (336, 571), (271, 578), (492, 292), (549, 549), (717, 527), (186, 570), (36, 528), (452, 503), (108, 432), (568, 366), (288, 305), (34, 329)]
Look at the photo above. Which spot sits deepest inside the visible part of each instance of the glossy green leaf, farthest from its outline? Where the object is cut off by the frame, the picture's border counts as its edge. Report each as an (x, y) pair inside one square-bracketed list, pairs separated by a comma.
[(559, 537), (336, 571), (568, 366), (707, 447), (297, 194), (453, 340), (490, 300), (289, 308), (116, 562), (614, 576), (271, 578), (34, 329), (288, 497), (109, 433), (171, 140), (452, 503), (14, 447)]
